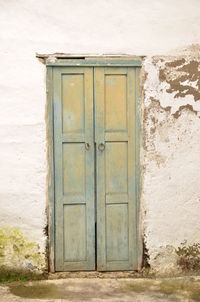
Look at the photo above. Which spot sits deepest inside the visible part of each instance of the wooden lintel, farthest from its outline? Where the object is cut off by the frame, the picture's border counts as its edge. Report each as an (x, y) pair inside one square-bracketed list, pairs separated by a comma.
[(85, 56)]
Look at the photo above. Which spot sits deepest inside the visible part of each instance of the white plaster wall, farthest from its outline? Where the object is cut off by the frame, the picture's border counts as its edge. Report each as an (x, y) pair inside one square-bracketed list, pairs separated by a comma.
[(26, 27), (171, 162)]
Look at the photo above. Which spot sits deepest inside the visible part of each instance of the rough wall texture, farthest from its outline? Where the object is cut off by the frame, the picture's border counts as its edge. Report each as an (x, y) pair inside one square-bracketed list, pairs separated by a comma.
[(170, 156)]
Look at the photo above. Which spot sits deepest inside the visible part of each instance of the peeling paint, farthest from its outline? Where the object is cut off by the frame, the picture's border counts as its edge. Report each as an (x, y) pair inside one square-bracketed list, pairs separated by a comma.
[(171, 161), (175, 82), (188, 107), (183, 79)]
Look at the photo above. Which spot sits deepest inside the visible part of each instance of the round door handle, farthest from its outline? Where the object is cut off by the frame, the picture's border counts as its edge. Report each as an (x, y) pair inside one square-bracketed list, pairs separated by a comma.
[(101, 147), (87, 146)]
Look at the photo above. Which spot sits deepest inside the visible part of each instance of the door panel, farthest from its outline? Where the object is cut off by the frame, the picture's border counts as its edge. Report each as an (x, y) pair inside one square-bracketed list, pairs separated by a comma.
[(74, 220), (116, 174), (73, 112), (74, 169), (117, 232), (115, 102), (116, 188)]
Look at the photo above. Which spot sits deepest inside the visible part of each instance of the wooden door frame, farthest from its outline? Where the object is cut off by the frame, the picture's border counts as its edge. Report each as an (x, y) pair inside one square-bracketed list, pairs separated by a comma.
[(122, 61)]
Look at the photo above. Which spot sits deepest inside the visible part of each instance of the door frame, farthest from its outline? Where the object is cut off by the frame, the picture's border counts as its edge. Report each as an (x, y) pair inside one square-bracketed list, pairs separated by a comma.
[(122, 61)]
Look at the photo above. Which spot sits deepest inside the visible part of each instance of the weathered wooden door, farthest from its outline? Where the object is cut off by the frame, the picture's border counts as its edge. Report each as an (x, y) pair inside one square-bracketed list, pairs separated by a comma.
[(95, 151)]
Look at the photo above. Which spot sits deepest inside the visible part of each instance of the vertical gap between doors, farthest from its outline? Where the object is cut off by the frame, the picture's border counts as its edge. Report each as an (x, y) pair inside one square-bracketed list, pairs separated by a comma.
[(95, 180)]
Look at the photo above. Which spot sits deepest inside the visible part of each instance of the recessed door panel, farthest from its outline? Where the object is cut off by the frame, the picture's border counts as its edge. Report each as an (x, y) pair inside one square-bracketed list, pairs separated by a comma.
[(116, 173), (75, 237), (73, 111), (117, 224), (74, 166), (115, 102)]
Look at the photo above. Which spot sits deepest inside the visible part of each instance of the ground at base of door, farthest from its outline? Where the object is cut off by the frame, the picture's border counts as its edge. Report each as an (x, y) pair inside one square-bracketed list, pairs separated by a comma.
[(96, 289), (95, 274)]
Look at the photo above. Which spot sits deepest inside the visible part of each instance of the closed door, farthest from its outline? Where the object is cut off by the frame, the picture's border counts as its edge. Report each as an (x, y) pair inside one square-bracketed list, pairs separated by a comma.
[(95, 168)]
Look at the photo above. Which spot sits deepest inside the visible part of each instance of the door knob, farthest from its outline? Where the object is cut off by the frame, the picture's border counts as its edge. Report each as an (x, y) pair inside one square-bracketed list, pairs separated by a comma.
[(87, 146), (101, 147)]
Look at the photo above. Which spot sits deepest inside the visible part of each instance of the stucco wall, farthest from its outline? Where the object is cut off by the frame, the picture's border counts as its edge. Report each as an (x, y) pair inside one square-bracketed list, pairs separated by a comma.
[(170, 153), (171, 157)]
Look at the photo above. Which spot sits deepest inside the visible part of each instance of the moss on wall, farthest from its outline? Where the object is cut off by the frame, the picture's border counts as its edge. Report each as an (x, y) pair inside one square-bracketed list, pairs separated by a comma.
[(19, 253), (189, 257)]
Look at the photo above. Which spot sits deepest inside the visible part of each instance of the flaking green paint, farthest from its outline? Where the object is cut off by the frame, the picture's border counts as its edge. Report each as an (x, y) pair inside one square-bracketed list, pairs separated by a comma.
[(17, 252)]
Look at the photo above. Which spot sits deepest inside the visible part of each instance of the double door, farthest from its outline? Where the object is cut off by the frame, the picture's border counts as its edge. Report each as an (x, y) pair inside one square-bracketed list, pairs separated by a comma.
[(95, 160)]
